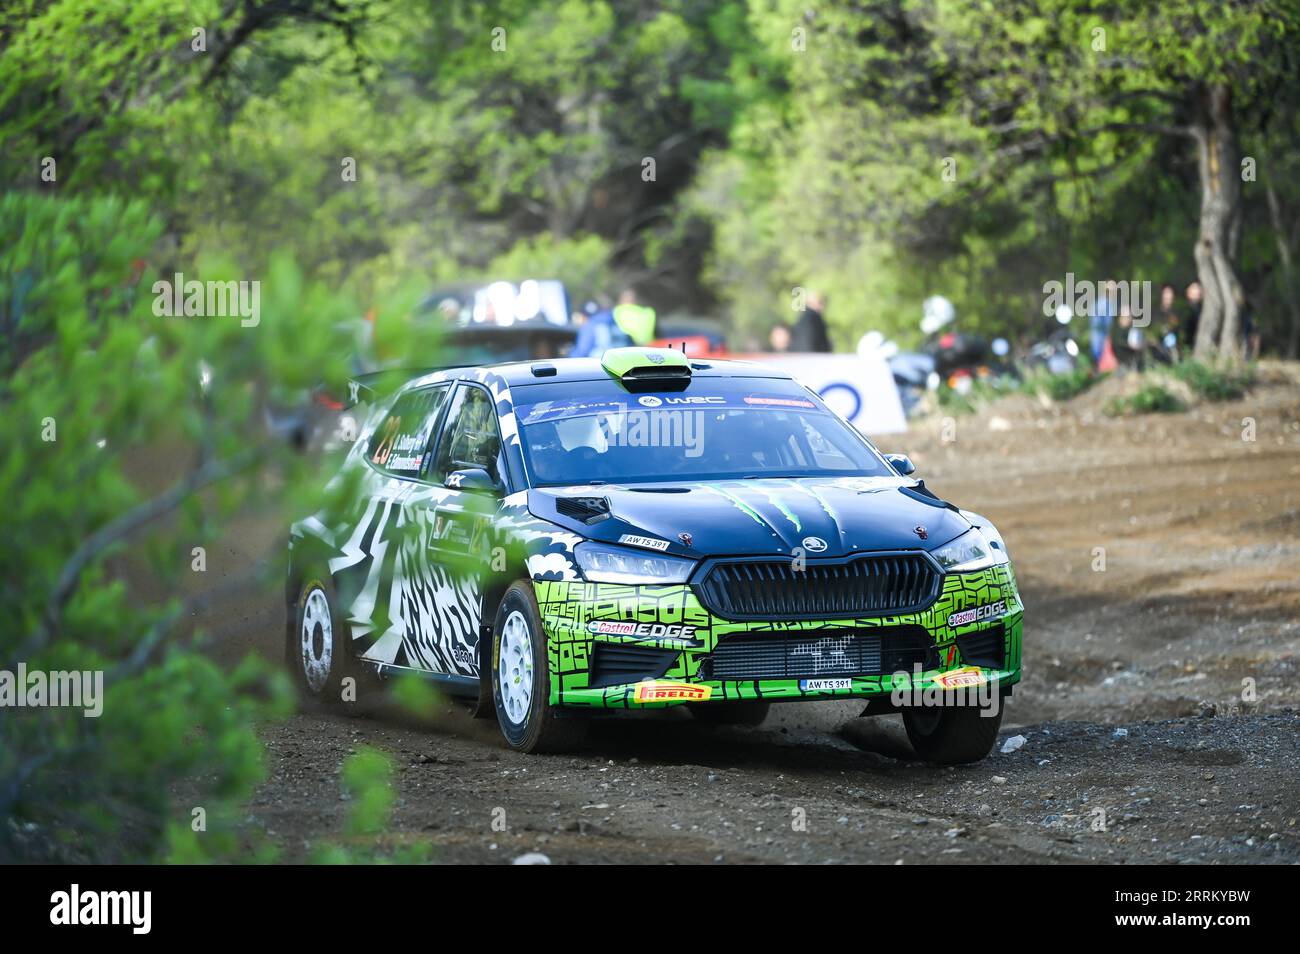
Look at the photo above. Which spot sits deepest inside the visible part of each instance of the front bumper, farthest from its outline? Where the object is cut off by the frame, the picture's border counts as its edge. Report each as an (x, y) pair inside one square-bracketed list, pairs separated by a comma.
[(670, 623)]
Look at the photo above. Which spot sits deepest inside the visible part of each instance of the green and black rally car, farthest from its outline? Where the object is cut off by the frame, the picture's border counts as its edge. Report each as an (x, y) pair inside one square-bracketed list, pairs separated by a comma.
[(646, 531)]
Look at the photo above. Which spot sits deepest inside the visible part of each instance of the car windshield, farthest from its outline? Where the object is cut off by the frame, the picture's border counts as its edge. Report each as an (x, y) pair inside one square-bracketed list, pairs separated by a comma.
[(717, 429)]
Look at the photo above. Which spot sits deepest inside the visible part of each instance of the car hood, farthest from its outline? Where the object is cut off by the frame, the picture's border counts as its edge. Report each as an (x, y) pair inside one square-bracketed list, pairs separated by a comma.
[(759, 516)]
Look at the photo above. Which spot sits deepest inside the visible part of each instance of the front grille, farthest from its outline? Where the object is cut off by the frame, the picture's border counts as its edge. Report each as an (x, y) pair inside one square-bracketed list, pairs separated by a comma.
[(986, 648), (864, 586), (810, 656), (616, 664)]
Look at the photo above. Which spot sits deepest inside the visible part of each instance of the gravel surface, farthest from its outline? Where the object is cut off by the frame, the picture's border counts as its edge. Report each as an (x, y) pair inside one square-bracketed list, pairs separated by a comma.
[(1158, 561)]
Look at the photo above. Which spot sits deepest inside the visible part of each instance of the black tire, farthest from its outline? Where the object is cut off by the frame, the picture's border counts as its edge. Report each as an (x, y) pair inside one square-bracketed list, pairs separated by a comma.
[(533, 727), (951, 735), (750, 712), (320, 675)]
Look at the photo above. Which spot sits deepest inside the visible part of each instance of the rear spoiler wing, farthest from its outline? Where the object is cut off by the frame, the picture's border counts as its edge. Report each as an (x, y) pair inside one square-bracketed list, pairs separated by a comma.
[(368, 388)]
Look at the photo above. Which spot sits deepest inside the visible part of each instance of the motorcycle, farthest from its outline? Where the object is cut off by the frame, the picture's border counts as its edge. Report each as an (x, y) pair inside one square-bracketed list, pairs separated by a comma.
[(1059, 353)]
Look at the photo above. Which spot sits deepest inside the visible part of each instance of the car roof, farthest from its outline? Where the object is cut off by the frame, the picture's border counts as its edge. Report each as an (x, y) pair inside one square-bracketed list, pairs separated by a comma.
[(572, 370)]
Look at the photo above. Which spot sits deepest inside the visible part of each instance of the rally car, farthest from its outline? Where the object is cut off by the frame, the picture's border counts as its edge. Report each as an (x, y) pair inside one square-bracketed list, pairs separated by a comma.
[(553, 538)]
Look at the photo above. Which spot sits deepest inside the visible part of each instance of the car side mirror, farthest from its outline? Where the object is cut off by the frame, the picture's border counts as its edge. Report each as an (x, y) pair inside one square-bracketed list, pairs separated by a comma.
[(902, 464), (475, 480)]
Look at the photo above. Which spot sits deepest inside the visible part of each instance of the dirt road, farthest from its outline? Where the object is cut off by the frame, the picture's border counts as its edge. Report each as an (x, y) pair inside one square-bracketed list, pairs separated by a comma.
[(1158, 560)]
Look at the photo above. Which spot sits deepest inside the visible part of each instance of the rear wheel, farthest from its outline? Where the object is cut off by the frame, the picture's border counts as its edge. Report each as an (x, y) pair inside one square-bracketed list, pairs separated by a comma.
[(317, 645), (521, 685), (951, 735), (751, 712)]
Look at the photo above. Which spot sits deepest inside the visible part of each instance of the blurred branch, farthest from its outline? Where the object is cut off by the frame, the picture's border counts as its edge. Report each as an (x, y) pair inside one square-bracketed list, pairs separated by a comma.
[(143, 652), (258, 17), (119, 529)]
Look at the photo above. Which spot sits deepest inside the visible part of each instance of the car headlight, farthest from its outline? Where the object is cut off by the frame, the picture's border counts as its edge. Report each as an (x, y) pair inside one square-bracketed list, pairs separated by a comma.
[(601, 563), (973, 550)]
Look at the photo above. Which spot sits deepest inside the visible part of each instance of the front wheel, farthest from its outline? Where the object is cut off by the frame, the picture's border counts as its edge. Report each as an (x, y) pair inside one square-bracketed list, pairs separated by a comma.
[(521, 685), (952, 735)]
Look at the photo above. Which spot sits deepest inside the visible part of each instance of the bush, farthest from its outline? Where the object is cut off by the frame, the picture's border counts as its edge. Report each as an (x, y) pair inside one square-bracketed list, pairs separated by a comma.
[(368, 786), (1061, 387), (1151, 398), (1214, 383), (98, 556), (982, 391)]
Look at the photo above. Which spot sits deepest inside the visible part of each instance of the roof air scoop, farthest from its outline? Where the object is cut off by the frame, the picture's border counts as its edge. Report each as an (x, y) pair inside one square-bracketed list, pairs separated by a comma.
[(648, 369)]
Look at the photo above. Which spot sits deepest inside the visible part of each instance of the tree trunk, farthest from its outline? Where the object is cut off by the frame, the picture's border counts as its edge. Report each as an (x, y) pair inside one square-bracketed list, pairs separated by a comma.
[(1288, 269), (1218, 163)]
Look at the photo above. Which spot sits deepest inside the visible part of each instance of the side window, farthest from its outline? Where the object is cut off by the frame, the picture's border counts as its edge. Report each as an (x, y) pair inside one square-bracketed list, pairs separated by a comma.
[(400, 442), (470, 438)]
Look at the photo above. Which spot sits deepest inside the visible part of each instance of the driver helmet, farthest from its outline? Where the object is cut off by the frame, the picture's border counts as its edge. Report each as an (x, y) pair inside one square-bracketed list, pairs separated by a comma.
[(937, 312)]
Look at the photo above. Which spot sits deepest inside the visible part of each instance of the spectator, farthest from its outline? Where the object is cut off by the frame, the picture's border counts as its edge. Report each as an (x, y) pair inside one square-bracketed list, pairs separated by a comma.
[(1166, 319), (778, 339), (1103, 316), (636, 321), (598, 334), (581, 316), (1129, 342), (1250, 338), (810, 332), (1192, 316)]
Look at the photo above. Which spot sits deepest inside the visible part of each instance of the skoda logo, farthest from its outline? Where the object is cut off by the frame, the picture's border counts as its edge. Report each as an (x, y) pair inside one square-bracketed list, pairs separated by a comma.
[(814, 544), (650, 400), (654, 358)]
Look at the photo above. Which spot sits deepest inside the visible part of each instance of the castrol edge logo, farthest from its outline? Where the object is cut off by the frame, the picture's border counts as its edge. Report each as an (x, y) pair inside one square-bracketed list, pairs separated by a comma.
[(975, 614), (613, 627)]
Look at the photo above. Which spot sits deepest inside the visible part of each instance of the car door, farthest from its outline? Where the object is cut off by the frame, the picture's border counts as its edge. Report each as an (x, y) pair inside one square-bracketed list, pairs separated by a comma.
[(379, 556), (457, 537)]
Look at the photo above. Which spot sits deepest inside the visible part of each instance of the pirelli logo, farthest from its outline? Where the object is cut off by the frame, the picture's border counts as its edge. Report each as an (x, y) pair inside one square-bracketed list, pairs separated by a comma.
[(654, 691), (963, 678)]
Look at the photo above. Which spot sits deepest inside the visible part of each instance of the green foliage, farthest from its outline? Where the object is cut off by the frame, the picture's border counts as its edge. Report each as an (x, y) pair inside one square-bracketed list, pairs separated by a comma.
[(367, 778), (793, 147), (981, 392), (111, 441), (1061, 387), (582, 263), (1150, 398), (978, 150), (1212, 383), (368, 787), (416, 696)]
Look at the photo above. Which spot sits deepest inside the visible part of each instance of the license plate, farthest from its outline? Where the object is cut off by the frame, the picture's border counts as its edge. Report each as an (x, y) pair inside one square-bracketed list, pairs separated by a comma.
[(822, 685)]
